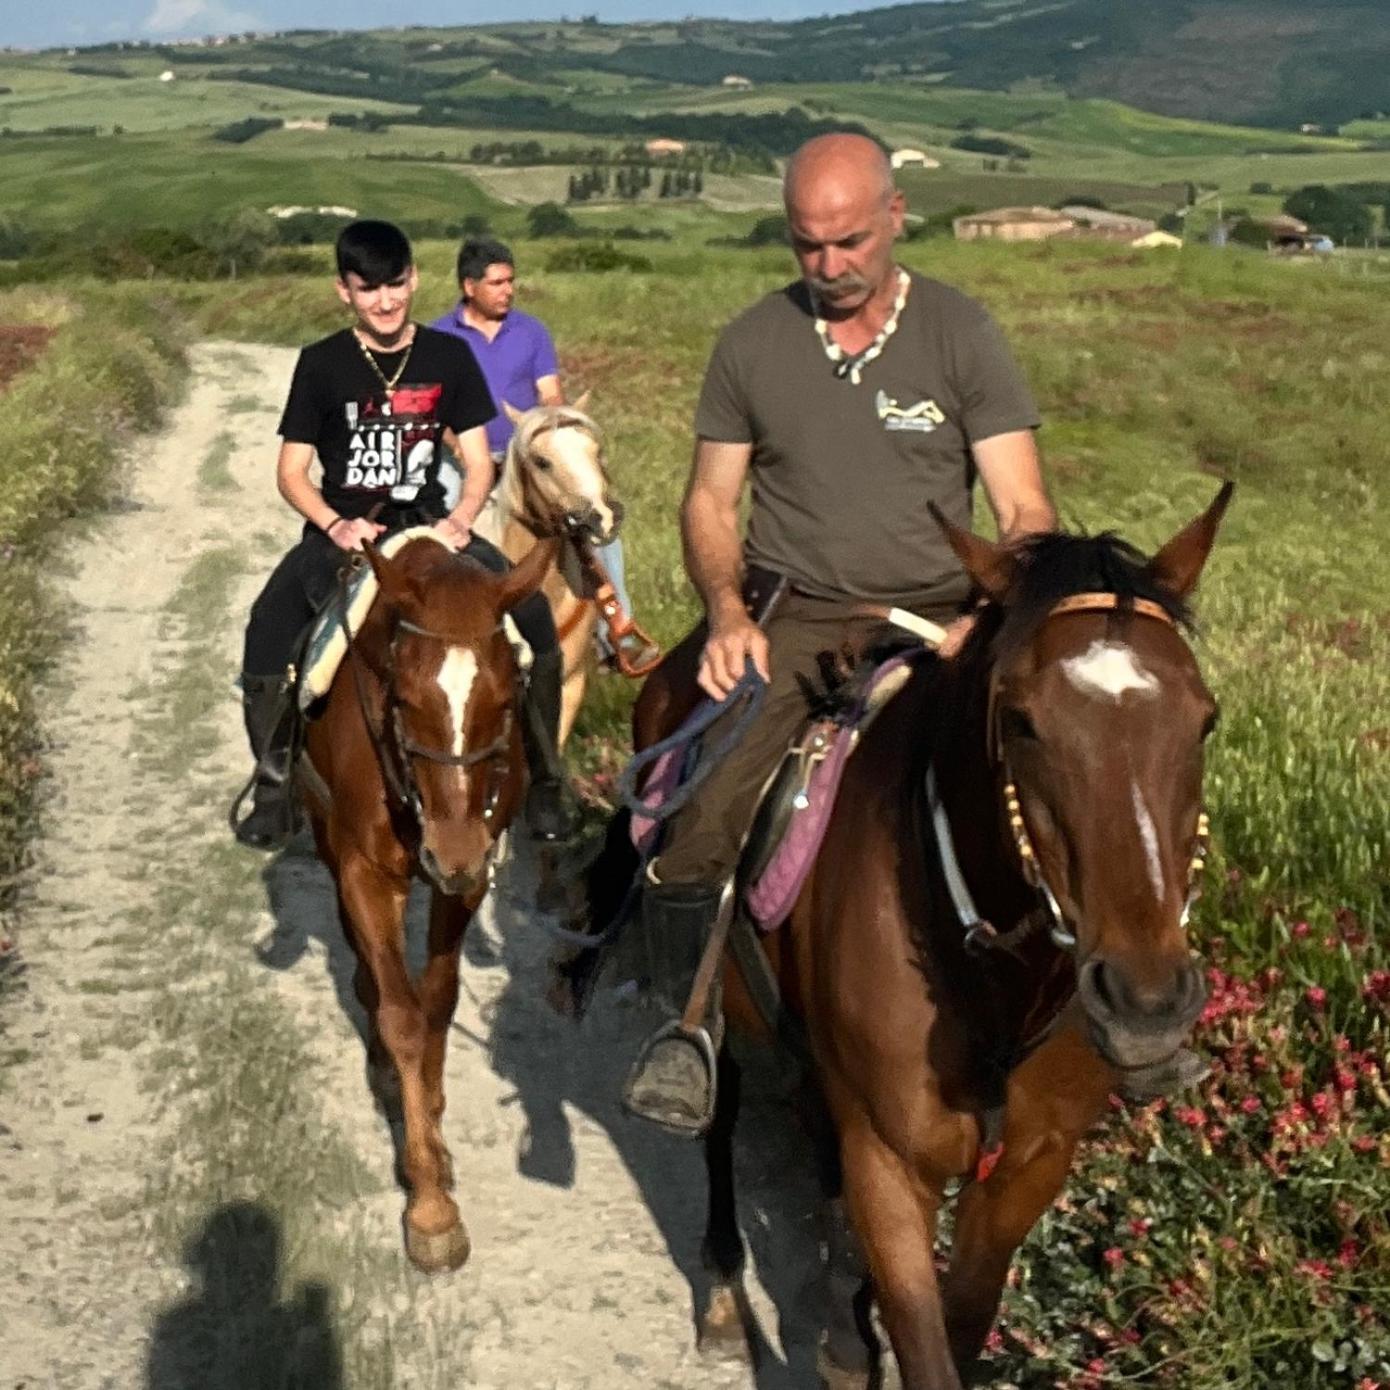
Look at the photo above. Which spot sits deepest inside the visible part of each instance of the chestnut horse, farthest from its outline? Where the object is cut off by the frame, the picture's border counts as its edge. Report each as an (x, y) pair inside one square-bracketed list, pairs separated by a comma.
[(555, 467), (973, 1031), (414, 770)]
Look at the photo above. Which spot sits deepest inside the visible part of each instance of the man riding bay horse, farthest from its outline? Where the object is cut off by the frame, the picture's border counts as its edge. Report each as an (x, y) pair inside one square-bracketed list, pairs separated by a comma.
[(853, 400)]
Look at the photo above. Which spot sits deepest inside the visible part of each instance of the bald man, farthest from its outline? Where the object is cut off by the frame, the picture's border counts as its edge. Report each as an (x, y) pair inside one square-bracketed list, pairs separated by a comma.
[(851, 398)]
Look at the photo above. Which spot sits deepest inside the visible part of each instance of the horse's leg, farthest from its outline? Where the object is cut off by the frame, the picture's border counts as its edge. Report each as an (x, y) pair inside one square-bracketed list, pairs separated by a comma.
[(434, 1236), (848, 1355), (575, 647), (993, 1217), (439, 993), (723, 1328), (894, 1215)]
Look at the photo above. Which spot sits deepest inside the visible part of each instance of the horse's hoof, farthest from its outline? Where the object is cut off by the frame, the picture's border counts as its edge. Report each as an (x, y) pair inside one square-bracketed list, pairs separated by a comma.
[(723, 1334), (436, 1254)]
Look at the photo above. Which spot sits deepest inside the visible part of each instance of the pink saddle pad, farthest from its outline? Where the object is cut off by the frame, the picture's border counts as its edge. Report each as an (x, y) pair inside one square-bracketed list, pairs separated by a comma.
[(771, 899)]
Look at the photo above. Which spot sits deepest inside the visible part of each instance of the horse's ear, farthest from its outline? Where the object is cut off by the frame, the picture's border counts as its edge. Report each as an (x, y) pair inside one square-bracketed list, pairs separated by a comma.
[(583, 402), (990, 565), (525, 578), (511, 412), (1177, 567), (392, 589)]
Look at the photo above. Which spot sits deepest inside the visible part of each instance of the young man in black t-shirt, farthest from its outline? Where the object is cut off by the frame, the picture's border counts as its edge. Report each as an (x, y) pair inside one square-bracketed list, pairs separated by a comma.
[(377, 403)]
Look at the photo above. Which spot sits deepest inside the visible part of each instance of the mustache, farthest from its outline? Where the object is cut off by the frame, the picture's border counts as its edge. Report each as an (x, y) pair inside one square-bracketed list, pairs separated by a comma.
[(848, 283)]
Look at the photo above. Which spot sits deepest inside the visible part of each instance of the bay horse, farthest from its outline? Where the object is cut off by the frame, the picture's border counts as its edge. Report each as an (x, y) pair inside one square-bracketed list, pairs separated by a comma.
[(555, 466), (974, 1037), (414, 770)]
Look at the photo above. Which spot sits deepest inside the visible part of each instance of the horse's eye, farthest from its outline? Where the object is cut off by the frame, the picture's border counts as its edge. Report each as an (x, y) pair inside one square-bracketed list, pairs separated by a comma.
[(543, 463), (1014, 724), (1210, 723)]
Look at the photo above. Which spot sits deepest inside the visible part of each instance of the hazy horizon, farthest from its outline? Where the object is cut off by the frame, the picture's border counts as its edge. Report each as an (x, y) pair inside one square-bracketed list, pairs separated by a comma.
[(86, 22)]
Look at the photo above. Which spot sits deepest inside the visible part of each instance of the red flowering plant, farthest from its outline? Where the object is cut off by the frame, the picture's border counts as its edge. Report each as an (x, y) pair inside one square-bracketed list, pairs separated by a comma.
[(1240, 1235)]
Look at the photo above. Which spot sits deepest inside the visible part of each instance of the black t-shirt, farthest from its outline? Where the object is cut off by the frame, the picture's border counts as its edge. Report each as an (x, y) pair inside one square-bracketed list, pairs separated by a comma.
[(376, 447)]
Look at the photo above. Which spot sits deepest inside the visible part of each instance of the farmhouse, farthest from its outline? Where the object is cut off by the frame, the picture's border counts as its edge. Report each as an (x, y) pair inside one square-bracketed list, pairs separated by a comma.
[(661, 146), (1012, 224), (734, 80), (913, 159), (1096, 224)]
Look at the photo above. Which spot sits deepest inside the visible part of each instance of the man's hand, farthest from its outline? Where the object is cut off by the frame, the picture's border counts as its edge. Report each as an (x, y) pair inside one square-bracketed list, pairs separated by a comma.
[(348, 532), (730, 643), (956, 633), (454, 534)]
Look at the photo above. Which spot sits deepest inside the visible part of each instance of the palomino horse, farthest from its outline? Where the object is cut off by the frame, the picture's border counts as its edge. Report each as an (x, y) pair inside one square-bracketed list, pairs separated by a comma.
[(555, 468), (993, 934), (416, 768)]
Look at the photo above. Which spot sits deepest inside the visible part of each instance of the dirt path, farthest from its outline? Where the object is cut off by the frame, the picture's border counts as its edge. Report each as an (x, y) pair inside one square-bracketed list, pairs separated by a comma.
[(195, 1189)]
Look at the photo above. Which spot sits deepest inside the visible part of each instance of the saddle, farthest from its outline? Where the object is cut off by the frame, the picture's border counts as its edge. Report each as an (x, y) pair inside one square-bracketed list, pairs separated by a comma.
[(326, 643), (795, 806)]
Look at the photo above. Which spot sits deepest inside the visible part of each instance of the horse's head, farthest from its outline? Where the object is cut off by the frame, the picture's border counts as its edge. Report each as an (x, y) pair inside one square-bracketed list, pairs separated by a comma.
[(556, 478), (449, 733), (1098, 715)]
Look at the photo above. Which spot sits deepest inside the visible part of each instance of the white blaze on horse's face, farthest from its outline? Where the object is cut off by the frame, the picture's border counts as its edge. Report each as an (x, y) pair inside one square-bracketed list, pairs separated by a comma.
[(1149, 836), (1109, 669), (457, 672)]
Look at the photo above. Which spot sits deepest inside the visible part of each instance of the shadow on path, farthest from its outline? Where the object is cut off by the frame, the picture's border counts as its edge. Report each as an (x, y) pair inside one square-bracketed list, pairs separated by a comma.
[(233, 1332), (555, 1064)]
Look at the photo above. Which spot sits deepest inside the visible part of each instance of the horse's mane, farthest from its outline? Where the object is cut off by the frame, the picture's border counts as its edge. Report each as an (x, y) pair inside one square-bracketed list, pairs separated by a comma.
[(1055, 565)]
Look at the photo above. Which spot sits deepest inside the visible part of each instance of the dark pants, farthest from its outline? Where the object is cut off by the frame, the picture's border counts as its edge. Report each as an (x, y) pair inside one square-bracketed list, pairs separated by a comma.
[(302, 584), (702, 842)]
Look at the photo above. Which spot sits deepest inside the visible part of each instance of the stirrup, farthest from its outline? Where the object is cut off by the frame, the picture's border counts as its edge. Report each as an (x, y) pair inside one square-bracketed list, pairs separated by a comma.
[(674, 1098)]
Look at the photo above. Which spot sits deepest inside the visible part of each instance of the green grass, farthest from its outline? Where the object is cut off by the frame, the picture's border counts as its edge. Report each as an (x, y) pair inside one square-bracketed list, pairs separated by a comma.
[(172, 181), (115, 364)]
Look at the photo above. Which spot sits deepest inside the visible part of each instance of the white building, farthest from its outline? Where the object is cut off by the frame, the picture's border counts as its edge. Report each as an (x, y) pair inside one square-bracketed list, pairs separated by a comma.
[(913, 159)]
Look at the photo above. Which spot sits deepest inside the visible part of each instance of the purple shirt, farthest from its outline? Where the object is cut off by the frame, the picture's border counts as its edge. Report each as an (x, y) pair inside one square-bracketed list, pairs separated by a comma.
[(512, 363)]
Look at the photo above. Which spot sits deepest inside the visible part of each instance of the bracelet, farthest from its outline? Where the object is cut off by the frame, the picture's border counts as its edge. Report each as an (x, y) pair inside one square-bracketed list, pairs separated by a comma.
[(328, 530)]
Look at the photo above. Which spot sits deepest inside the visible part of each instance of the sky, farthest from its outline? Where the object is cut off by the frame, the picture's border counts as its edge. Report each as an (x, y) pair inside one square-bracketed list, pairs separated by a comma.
[(79, 22)]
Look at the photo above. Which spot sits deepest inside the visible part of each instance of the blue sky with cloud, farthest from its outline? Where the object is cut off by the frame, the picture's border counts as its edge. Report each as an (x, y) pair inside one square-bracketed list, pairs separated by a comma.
[(100, 21)]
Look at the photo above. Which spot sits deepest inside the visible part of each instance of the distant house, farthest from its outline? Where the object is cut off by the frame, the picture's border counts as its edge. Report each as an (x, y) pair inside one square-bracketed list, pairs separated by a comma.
[(913, 159), (1311, 128), (1098, 224), (661, 147), (167, 75), (306, 123), (734, 80), (1012, 224)]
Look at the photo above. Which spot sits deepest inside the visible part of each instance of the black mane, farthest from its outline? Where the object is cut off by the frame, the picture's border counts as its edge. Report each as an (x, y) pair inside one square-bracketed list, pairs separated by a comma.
[(1055, 565)]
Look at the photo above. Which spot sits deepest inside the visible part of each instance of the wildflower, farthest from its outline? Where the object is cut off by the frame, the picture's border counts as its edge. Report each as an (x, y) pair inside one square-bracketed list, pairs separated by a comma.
[(1114, 1257), (1190, 1116), (994, 1342), (1250, 1104), (1348, 1253), (1139, 1227), (1299, 930), (1315, 1269), (1316, 996)]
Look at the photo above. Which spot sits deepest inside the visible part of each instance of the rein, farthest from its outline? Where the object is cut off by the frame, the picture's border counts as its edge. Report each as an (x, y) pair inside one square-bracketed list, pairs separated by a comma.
[(400, 781)]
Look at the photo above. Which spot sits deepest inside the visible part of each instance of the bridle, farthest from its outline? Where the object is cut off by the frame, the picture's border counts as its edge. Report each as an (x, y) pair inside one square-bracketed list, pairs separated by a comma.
[(981, 934), (397, 765), (532, 512)]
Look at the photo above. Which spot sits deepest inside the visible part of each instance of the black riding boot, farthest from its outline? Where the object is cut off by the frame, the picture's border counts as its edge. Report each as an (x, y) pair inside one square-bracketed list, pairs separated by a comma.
[(267, 704), (550, 812), (672, 1082)]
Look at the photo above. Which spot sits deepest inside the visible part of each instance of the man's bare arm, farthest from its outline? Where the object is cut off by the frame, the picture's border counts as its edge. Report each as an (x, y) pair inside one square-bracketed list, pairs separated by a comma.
[(549, 391), (475, 463), (297, 488), (1012, 475), (714, 561)]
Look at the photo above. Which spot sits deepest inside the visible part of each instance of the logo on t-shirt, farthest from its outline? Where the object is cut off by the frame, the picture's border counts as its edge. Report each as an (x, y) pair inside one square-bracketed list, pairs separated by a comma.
[(392, 443), (923, 417)]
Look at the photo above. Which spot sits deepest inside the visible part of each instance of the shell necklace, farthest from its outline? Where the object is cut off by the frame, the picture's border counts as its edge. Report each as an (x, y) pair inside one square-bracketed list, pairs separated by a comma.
[(852, 365), (389, 383)]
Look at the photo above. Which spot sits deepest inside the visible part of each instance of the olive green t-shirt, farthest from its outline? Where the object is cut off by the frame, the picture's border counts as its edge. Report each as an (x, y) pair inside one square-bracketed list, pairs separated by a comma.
[(842, 473)]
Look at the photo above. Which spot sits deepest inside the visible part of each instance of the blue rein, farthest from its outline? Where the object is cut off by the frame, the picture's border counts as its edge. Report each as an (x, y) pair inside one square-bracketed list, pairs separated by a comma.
[(751, 689)]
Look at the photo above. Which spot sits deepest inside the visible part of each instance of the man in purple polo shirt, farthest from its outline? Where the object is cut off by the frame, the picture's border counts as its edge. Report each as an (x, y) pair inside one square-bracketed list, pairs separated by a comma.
[(518, 360)]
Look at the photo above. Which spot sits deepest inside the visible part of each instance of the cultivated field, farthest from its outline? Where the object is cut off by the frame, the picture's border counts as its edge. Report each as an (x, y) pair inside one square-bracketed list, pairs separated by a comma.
[(1238, 1238)]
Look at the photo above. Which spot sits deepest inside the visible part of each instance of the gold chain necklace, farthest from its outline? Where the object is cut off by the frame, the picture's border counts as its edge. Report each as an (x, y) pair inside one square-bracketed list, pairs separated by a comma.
[(852, 364), (388, 382)]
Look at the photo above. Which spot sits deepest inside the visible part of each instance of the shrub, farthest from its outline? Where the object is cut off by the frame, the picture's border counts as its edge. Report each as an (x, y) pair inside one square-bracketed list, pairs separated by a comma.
[(550, 220), (597, 257)]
